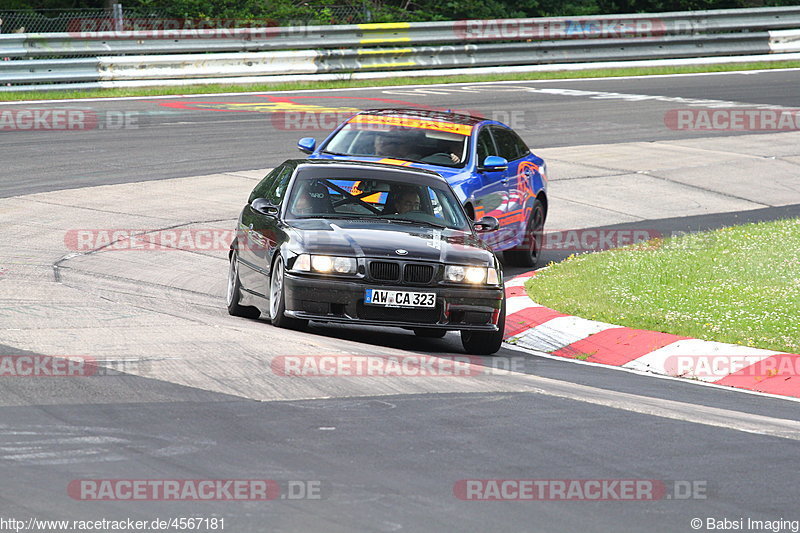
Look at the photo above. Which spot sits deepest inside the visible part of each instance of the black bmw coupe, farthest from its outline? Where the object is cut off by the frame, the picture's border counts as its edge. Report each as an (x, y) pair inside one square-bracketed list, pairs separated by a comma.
[(366, 243)]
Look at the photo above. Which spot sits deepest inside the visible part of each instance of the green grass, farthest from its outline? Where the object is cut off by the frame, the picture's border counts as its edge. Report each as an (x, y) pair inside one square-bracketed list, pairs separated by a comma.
[(295, 86), (738, 285)]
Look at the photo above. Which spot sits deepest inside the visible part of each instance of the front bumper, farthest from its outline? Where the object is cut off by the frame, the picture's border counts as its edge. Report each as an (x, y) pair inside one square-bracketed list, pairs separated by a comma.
[(342, 300)]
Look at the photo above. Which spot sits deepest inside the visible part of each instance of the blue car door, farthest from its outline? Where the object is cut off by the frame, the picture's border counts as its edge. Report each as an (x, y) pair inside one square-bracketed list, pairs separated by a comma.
[(515, 182), (491, 196)]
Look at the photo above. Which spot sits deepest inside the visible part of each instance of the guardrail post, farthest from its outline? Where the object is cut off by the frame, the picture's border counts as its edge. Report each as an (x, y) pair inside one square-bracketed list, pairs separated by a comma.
[(116, 10), (367, 11)]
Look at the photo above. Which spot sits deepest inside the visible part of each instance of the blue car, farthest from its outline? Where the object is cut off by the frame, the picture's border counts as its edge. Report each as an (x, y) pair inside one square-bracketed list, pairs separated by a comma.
[(491, 169)]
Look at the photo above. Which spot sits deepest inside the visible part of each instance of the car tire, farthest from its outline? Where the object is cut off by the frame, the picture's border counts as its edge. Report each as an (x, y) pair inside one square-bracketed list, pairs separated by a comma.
[(485, 342), (235, 290), (277, 299), (430, 333), (528, 254)]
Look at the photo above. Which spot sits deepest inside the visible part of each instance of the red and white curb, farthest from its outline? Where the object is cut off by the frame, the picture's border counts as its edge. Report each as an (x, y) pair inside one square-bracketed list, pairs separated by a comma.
[(535, 328)]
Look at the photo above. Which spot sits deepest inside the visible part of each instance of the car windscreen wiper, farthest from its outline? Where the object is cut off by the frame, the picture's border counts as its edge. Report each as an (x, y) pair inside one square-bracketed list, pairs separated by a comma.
[(454, 165), (423, 222), (349, 216), (365, 218), (320, 216)]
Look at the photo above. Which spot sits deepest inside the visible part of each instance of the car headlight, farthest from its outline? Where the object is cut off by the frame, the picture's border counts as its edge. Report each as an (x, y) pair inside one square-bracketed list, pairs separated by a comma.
[(321, 263), (302, 263), (473, 275), (325, 264)]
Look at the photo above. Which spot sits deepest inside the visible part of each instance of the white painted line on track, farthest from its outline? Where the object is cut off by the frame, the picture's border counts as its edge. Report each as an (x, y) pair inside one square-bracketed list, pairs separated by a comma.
[(518, 281), (658, 360), (671, 409), (518, 303), (348, 89), (544, 355), (559, 332), (645, 405)]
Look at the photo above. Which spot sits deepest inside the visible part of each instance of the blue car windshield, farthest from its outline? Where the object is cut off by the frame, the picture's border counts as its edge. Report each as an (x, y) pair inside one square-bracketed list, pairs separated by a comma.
[(375, 198), (434, 147)]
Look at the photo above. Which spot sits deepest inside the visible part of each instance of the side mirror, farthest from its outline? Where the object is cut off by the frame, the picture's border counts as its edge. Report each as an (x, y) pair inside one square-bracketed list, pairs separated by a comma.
[(265, 207), (494, 163), (307, 144), (486, 224)]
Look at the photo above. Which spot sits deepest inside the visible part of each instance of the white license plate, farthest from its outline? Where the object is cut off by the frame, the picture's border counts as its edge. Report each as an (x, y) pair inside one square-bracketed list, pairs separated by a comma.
[(399, 298)]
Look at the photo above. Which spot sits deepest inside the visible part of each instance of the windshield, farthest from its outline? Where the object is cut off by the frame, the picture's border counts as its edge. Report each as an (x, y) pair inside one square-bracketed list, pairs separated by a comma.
[(432, 146), (375, 198)]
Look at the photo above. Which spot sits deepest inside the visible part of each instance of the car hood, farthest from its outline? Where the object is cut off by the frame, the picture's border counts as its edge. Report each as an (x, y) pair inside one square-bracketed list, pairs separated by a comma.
[(377, 239)]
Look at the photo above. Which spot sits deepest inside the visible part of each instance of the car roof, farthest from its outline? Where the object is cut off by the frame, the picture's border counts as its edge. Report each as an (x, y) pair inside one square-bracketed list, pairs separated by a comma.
[(362, 165), (442, 116)]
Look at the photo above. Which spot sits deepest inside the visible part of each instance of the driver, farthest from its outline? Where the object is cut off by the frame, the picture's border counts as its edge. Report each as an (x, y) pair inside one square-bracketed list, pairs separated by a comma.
[(407, 201), (312, 198), (394, 145), (453, 149), (303, 204)]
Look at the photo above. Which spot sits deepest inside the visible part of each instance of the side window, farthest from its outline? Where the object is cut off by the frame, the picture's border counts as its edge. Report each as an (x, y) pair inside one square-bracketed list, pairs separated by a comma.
[(435, 205), (260, 190), (522, 148), (278, 187), (485, 145), (508, 144)]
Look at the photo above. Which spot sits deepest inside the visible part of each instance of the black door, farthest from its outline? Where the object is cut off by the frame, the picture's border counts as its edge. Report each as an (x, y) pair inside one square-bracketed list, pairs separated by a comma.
[(260, 233)]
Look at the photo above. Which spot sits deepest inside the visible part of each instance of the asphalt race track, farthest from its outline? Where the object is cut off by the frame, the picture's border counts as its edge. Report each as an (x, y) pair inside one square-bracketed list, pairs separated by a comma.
[(170, 142), (185, 392)]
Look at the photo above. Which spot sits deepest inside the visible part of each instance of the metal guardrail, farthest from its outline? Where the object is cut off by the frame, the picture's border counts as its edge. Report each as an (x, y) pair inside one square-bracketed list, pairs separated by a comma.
[(50, 70), (172, 55), (348, 36)]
